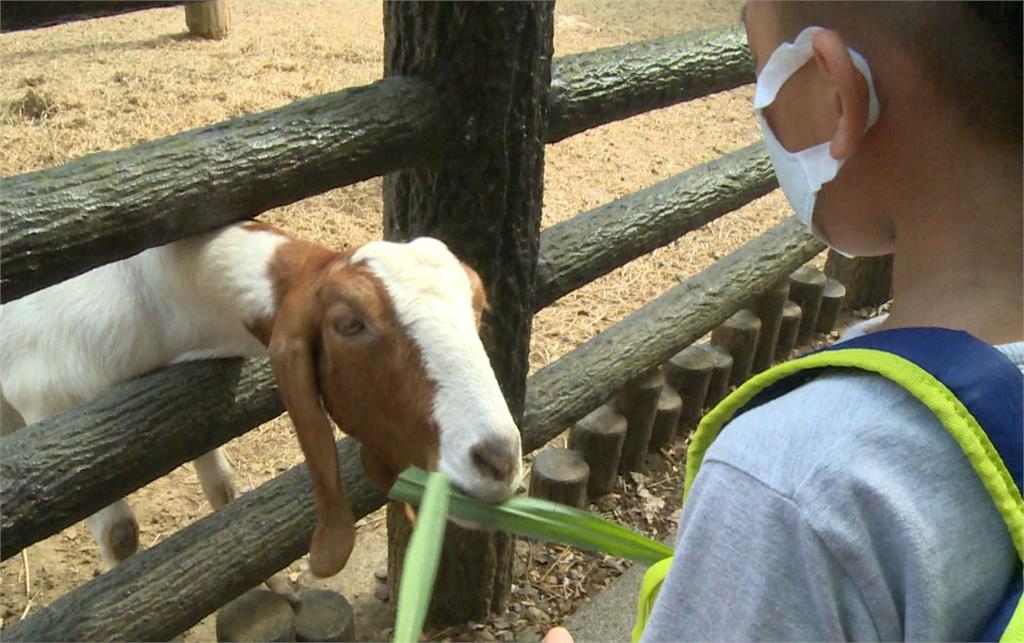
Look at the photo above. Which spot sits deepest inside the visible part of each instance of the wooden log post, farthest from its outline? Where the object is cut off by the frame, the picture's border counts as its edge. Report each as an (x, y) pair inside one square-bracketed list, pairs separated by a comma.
[(257, 615), (560, 475), (738, 336), (324, 615), (689, 372), (638, 401), (210, 19), (806, 286), (831, 302), (768, 308), (788, 330), (492, 64), (868, 280), (721, 371), (599, 437), (666, 419)]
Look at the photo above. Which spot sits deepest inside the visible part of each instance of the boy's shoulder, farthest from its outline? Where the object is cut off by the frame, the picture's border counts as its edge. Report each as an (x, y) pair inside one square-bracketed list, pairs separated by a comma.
[(836, 428), (846, 428)]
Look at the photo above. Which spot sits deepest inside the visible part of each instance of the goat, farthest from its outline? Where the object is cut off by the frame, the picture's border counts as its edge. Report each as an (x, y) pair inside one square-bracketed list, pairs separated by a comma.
[(383, 338)]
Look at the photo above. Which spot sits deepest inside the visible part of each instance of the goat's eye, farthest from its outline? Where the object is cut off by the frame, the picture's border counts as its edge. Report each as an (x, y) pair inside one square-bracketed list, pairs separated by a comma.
[(349, 326)]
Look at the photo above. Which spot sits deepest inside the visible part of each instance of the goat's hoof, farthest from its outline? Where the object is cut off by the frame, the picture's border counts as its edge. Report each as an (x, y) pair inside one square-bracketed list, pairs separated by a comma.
[(124, 539)]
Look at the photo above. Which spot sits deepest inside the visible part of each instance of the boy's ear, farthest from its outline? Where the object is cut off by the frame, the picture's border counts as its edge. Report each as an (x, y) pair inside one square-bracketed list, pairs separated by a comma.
[(850, 92)]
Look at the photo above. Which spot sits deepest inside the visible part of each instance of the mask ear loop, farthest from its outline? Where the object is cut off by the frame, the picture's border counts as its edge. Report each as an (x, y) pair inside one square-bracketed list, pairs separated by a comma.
[(788, 58)]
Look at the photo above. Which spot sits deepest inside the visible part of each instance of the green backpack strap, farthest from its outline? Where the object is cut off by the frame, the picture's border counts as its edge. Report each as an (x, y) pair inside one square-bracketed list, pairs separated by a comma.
[(920, 383)]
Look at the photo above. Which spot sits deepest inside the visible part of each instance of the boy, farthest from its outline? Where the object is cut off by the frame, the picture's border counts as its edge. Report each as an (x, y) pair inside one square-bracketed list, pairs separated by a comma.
[(844, 509)]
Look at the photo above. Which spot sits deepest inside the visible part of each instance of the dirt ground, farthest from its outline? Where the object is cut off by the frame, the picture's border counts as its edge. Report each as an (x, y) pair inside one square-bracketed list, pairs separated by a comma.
[(111, 83)]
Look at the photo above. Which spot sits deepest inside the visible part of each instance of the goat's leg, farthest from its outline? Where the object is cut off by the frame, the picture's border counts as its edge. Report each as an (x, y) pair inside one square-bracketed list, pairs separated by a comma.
[(116, 531), (216, 477)]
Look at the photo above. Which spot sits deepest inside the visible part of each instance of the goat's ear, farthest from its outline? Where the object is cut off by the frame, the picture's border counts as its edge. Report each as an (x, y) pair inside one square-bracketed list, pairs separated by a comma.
[(476, 285), (292, 359)]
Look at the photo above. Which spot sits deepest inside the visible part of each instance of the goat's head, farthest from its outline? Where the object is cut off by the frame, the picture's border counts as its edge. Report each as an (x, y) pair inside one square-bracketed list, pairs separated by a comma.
[(387, 338)]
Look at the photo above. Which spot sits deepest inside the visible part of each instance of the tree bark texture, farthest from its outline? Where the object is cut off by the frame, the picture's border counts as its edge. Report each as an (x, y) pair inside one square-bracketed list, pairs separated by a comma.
[(209, 18), (491, 64), (15, 16), (598, 87), (575, 252), (63, 221), (60, 470), (164, 590)]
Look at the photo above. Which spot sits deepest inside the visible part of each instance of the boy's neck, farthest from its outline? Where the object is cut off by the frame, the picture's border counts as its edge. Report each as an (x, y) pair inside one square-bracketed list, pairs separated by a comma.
[(958, 257)]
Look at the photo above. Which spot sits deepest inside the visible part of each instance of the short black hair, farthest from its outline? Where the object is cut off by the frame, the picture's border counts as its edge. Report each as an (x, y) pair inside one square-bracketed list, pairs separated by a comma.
[(971, 51)]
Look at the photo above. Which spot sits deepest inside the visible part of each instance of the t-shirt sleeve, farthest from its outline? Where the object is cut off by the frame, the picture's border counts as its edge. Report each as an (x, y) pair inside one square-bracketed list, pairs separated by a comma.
[(748, 567)]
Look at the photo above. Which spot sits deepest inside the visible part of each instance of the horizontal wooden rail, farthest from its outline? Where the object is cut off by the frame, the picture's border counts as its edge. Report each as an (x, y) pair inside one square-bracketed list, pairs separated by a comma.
[(598, 87), (220, 556), (162, 591), (580, 381), (18, 15), (60, 470), (575, 252), (62, 221)]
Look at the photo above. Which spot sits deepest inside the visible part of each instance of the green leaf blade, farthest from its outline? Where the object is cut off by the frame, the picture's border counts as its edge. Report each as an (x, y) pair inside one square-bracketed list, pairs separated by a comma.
[(422, 555)]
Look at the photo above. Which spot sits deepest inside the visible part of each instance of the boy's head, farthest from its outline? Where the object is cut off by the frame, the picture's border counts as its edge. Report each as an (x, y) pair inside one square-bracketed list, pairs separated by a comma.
[(948, 81)]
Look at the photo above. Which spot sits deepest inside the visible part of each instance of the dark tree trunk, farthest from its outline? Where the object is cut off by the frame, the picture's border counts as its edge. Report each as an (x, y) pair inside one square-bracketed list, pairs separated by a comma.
[(491, 63)]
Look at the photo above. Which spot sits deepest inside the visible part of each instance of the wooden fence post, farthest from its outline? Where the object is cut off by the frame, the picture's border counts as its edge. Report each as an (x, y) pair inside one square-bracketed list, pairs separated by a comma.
[(738, 335), (491, 63), (868, 280), (721, 371), (806, 286), (638, 401), (768, 307), (210, 19), (831, 303), (599, 437), (788, 330), (560, 475)]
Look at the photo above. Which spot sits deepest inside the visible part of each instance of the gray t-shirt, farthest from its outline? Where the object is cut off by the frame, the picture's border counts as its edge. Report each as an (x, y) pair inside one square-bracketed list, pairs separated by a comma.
[(842, 510)]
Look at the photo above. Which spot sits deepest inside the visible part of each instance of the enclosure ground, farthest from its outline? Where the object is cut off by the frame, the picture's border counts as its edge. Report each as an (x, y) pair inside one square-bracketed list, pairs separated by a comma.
[(115, 82)]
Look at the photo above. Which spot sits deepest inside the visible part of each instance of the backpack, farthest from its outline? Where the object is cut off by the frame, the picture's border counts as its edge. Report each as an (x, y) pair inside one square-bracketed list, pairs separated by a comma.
[(972, 388)]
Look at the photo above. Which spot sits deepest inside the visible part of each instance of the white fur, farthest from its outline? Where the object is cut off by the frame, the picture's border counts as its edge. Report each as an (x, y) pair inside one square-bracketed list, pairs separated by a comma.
[(189, 299), (432, 296)]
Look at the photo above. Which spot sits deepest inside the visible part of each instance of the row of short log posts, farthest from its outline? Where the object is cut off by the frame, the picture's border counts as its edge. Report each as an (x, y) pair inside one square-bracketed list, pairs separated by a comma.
[(662, 405), (261, 615)]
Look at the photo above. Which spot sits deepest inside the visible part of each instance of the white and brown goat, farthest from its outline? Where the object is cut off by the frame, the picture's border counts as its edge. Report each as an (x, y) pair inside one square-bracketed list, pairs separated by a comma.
[(383, 338)]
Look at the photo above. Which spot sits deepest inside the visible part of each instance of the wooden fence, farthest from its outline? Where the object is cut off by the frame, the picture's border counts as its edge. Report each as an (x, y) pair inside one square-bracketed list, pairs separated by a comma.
[(63, 221)]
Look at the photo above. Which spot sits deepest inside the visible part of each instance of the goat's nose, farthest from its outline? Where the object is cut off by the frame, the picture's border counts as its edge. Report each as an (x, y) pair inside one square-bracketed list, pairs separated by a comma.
[(495, 459)]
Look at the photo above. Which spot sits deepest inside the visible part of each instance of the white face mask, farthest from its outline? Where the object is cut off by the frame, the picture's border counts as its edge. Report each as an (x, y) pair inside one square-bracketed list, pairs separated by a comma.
[(801, 174)]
